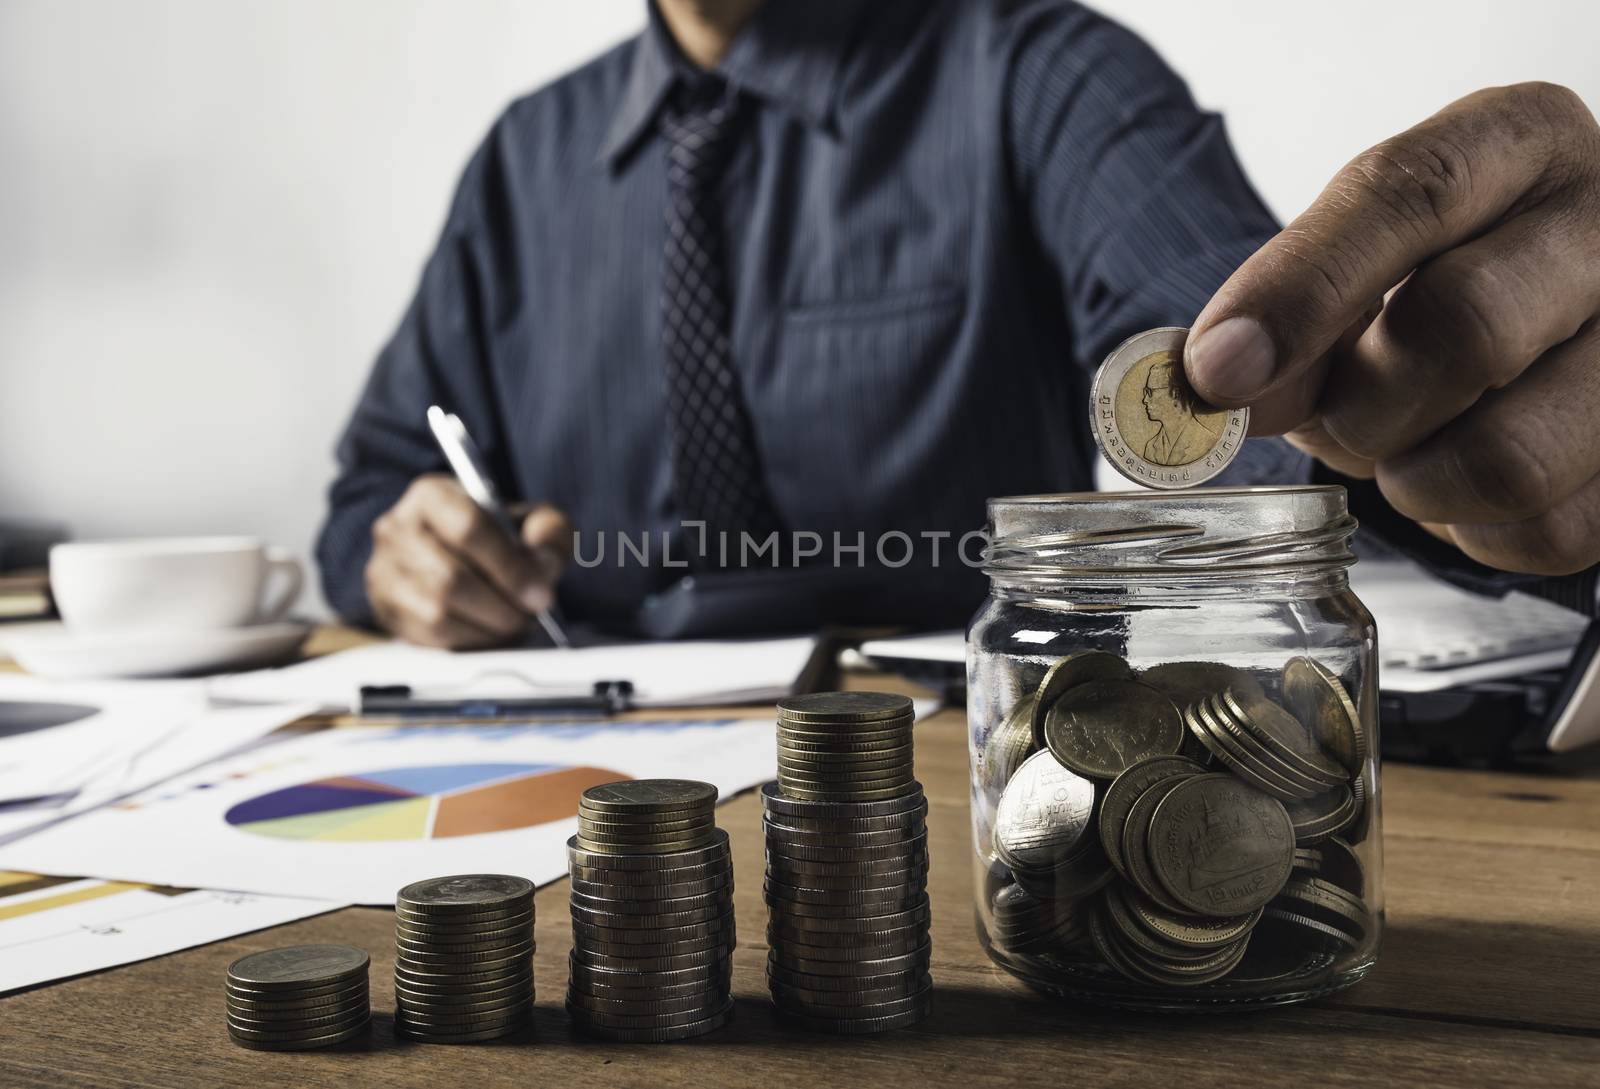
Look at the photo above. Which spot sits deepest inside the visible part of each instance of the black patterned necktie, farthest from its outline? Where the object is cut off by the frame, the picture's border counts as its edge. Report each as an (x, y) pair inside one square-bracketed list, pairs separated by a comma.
[(716, 471)]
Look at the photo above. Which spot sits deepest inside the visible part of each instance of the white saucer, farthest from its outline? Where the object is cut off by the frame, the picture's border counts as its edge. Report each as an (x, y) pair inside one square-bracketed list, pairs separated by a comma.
[(61, 654)]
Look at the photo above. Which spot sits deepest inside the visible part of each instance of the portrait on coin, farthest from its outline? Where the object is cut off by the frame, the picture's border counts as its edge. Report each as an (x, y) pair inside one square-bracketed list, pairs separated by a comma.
[(1177, 429)]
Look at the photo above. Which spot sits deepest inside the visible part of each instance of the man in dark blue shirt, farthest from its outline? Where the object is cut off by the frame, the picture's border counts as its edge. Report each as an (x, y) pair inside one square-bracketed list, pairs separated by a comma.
[(838, 271)]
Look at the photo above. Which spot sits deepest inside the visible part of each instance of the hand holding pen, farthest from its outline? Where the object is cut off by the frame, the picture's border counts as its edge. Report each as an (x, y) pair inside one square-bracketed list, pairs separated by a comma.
[(448, 571)]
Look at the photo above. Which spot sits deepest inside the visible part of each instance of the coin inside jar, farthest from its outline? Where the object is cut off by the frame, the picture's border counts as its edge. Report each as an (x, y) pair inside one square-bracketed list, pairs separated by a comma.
[(1009, 743), (1127, 788), (1148, 422), (1317, 697), (1187, 683), (1220, 847), (1043, 814), (1100, 728), (1068, 673)]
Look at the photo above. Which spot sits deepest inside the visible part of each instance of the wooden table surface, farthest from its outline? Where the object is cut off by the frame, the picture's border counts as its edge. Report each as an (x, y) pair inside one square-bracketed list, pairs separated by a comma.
[(1489, 975)]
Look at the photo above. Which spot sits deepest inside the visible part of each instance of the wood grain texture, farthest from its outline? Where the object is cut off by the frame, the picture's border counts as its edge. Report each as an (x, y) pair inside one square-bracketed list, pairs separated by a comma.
[(1487, 978)]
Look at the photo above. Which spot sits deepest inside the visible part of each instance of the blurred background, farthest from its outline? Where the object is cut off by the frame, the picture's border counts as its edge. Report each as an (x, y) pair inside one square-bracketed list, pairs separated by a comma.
[(212, 212)]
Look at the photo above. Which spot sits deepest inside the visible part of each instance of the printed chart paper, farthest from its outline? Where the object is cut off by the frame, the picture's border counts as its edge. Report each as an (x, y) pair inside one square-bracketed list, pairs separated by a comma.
[(129, 736), (353, 814), (109, 724), (52, 927)]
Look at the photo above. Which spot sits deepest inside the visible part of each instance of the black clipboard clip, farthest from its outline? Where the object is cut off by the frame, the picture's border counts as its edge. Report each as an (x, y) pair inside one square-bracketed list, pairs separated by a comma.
[(399, 701)]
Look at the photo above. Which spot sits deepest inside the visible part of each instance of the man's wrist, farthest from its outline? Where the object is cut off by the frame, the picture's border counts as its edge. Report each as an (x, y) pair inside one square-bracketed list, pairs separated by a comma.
[(1579, 592)]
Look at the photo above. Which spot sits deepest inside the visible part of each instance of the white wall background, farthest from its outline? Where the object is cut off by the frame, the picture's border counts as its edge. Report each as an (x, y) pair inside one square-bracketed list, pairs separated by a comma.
[(213, 211)]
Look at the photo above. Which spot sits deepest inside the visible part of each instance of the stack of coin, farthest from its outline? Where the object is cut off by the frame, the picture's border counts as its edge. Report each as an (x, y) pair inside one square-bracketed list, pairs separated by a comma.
[(1264, 745), (845, 747), (1170, 814), (652, 912), (463, 968), (847, 866), (294, 999)]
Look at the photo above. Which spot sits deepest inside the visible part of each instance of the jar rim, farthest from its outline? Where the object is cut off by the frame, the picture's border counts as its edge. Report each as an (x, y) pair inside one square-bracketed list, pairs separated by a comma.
[(1154, 496), (1181, 534)]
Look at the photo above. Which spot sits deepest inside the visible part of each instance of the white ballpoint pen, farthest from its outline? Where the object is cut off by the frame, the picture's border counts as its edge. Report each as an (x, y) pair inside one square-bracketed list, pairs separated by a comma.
[(462, 454)]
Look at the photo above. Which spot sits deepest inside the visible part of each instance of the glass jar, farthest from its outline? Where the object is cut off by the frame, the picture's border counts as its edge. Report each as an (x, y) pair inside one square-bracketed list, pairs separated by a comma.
[(1172, 707)]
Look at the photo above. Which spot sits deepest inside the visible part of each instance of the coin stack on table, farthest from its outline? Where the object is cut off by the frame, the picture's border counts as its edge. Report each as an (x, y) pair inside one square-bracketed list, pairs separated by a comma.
[(847, 866), (295, 999), (652, 912), (1181, 825), (463, 968)]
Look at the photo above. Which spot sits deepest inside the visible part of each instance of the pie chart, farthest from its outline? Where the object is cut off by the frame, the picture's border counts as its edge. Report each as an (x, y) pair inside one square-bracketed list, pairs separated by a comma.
[(432, 802)]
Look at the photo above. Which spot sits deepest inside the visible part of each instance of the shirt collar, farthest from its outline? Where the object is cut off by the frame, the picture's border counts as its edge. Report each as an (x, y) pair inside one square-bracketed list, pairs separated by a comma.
[(788, 56)]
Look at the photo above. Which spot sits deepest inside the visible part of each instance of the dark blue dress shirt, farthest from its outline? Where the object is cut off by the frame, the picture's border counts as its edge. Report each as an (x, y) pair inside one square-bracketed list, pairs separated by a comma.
[(942, 216)]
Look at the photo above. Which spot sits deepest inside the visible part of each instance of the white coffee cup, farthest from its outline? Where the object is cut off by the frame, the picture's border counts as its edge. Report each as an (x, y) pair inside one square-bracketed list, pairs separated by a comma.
[(170, 584)]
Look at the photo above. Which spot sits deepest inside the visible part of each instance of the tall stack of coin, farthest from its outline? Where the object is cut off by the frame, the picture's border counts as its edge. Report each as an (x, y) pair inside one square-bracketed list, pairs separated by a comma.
[(652, 912), (463, 968), (1155, 821), (295, 999), (847, 866)]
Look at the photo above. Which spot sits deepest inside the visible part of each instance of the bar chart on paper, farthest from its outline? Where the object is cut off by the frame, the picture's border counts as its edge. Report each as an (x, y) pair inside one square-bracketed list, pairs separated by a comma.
[(430, 802), (54, 927)]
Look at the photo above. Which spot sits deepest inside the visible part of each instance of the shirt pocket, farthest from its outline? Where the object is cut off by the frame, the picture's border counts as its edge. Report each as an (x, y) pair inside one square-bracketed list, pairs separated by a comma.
[(868, 384), (906, 303)]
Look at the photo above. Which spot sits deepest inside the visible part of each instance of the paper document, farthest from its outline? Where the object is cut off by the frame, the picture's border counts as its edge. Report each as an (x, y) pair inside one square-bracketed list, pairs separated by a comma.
[(354, 813), (99, 725), (53, 927), (114, 738), (688, 674)]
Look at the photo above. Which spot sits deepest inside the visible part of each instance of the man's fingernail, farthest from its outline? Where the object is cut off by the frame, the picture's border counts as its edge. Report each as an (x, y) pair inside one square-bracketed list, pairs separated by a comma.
[(1232, 359), (536, 597)]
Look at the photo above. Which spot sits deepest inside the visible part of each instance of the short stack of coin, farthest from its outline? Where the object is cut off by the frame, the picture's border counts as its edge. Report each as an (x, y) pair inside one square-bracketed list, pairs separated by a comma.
[(295, 999), (1266, 746), (652, 912), (847, 866), (463, 967)]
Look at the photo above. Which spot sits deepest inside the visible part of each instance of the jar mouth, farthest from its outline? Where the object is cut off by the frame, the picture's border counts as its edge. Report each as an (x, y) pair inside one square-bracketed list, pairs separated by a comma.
[(1196, 532), (1152, 498)]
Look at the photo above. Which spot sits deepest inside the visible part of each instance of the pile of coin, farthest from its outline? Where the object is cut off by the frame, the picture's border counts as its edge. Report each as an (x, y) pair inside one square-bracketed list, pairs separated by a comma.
[(295, 999), (652, 912), (847, 866), (1180, 825), (463, 968)]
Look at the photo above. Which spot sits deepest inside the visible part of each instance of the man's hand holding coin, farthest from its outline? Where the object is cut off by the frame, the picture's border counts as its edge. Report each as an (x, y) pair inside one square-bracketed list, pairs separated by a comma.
[(1431, 322)]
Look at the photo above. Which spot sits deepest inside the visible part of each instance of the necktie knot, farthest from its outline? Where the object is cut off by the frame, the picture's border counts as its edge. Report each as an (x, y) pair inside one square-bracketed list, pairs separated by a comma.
[(699, 123)]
